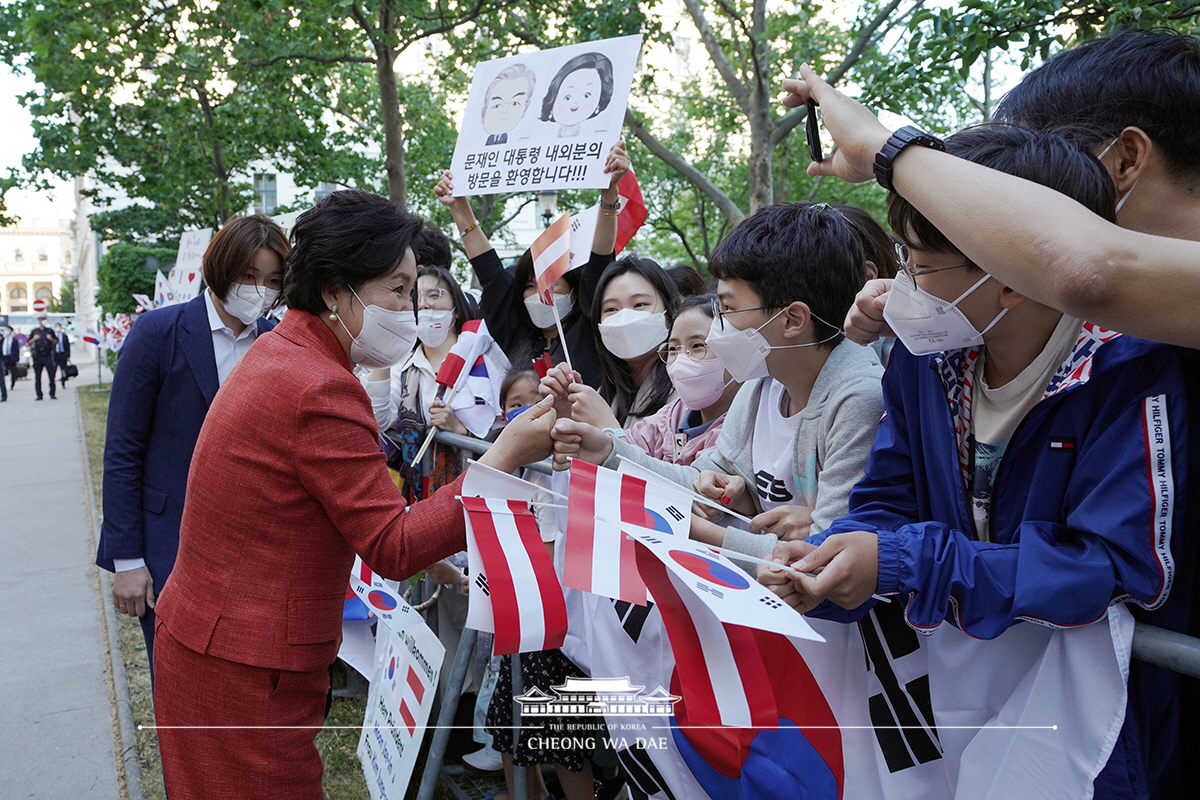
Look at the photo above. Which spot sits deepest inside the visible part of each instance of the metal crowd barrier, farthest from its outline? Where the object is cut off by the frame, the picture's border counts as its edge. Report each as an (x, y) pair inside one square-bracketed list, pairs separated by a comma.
[(1151, 644)]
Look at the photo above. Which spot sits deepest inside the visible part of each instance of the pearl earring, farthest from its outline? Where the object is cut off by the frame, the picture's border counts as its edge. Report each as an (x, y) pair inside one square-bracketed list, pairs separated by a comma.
[(333, 315)]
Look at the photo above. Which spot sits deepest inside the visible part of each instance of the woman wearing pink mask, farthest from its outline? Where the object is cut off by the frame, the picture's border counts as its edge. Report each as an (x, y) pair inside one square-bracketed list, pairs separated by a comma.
[(690, 424)]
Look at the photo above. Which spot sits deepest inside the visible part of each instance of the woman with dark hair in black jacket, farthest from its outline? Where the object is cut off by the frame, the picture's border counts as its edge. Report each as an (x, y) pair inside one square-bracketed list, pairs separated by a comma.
[(518, 321)]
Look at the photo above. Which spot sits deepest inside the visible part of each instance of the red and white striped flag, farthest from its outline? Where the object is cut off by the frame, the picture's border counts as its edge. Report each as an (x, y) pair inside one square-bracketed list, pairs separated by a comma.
[(515, 592), (721, 675), (597, 556), (552, 256)]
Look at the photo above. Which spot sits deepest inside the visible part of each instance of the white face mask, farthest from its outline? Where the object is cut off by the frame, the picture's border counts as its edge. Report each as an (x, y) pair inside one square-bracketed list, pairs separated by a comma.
[(744, 351), (386, 336), (542, 315), (248, 301), (928, 324), (699, 384), (629, 333), (434, 325)]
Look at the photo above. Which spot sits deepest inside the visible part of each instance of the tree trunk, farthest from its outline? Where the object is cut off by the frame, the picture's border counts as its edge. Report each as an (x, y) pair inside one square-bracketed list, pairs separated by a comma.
[(218, 157), (761, 175), (389, 100)]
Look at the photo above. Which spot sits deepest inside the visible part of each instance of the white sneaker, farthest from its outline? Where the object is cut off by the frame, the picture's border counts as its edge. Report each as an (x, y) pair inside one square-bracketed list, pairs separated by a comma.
[(484, 760)]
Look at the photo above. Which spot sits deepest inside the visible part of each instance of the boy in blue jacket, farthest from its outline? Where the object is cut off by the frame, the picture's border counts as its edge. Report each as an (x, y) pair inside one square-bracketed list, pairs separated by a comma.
[(1029, 466)]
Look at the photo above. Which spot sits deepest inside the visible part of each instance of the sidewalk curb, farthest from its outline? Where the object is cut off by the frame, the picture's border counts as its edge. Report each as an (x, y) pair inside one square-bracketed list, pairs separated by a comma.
[(129, 756)]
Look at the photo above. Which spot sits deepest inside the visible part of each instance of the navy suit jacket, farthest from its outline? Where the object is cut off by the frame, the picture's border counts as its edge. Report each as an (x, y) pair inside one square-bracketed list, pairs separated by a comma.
[(164, 382), (12, 352)]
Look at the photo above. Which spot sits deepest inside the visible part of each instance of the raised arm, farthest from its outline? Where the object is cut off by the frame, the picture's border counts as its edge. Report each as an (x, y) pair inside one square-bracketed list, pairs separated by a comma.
[(474, 240), (1039, 242), (605, 239)]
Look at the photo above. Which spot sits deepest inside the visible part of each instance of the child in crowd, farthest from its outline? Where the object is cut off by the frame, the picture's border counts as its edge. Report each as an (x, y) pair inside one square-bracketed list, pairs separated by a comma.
[(1030, 466), (799, 430), (520, 323), (545, 670)]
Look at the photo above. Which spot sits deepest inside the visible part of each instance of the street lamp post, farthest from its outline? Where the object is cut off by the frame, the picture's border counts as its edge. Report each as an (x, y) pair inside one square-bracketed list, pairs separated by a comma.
[(547, 202)]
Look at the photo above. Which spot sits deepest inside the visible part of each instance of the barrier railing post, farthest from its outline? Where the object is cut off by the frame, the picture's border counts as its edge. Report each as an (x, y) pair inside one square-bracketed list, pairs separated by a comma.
[(445, 720)]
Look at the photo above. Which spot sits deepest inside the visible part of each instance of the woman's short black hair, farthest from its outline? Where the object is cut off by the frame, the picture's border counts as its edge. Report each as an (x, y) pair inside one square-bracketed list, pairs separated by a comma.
[(616, 381), (523, 274), (1039, 156), (462, 309), (234, 248), (797, 252), (348, 238), (596, 61)]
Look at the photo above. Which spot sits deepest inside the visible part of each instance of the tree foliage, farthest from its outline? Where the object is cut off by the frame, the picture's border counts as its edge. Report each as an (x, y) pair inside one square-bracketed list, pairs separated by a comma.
[(173, 102), (127, 270)]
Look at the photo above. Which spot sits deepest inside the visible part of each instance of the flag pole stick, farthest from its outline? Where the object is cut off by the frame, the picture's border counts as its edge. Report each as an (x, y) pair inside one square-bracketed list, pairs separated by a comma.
[(432, 430), (473, 463), (562, 338)]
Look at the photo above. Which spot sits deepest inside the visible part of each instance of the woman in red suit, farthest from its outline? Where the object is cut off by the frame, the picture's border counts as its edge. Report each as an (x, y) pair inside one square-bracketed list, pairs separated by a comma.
[(287, 484)]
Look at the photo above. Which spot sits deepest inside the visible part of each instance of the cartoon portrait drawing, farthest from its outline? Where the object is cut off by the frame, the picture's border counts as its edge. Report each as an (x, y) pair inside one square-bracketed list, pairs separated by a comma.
[(504, 103), (582, 89)]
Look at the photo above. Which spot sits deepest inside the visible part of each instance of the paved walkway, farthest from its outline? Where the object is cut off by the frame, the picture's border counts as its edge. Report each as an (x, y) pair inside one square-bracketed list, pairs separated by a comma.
[(57, 732)]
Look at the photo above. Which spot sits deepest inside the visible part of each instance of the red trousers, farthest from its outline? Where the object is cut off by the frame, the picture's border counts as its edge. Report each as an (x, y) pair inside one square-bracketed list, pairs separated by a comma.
[(229, 731)]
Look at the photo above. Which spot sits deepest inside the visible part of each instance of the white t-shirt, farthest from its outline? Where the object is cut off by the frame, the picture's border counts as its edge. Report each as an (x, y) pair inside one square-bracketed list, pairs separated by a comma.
[(773, 448), (996, 413)]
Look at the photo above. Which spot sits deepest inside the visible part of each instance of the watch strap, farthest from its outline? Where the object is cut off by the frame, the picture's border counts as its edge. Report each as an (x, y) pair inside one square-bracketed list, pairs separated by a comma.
[(894, 146)]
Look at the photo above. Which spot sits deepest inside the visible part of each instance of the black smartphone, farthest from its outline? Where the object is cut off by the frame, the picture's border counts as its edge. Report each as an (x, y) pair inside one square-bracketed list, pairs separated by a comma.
[(812, 134)]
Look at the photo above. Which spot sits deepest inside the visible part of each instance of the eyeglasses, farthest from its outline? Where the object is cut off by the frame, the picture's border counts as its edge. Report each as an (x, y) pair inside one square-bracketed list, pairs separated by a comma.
[(902, 255), (719, 314), (697, 351), (432, 295)]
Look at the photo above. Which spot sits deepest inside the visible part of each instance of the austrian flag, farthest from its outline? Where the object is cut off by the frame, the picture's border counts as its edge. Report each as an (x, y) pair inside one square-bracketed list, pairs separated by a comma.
[(598, 557), (515, 592), (552, 256)]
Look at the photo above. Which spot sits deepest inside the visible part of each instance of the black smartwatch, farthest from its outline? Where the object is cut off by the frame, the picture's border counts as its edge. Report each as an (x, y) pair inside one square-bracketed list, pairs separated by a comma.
[(895, 146)]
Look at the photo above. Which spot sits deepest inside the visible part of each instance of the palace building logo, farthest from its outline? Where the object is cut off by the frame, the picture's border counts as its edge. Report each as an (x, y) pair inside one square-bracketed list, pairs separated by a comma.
[(597, 697)]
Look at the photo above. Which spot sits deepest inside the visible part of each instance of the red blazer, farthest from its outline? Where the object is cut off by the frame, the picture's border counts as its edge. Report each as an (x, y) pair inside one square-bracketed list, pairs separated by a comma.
[(287, 483)]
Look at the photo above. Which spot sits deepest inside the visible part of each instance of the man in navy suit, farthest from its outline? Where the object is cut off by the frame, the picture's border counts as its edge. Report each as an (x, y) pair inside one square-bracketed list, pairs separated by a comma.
[(62, 353), (172, 363), (10, 354)]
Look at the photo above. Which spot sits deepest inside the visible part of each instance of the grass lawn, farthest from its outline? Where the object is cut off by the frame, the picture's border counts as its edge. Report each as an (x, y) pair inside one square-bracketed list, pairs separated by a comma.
[(343, 772)]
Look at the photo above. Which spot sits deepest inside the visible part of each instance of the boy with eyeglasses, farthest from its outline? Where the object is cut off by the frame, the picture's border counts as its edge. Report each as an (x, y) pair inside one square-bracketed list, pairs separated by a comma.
[(1030, 467), (798, 432)]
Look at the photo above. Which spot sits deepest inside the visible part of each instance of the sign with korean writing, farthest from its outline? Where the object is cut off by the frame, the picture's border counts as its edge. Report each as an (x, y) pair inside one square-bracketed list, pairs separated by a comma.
[(544, 120)]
